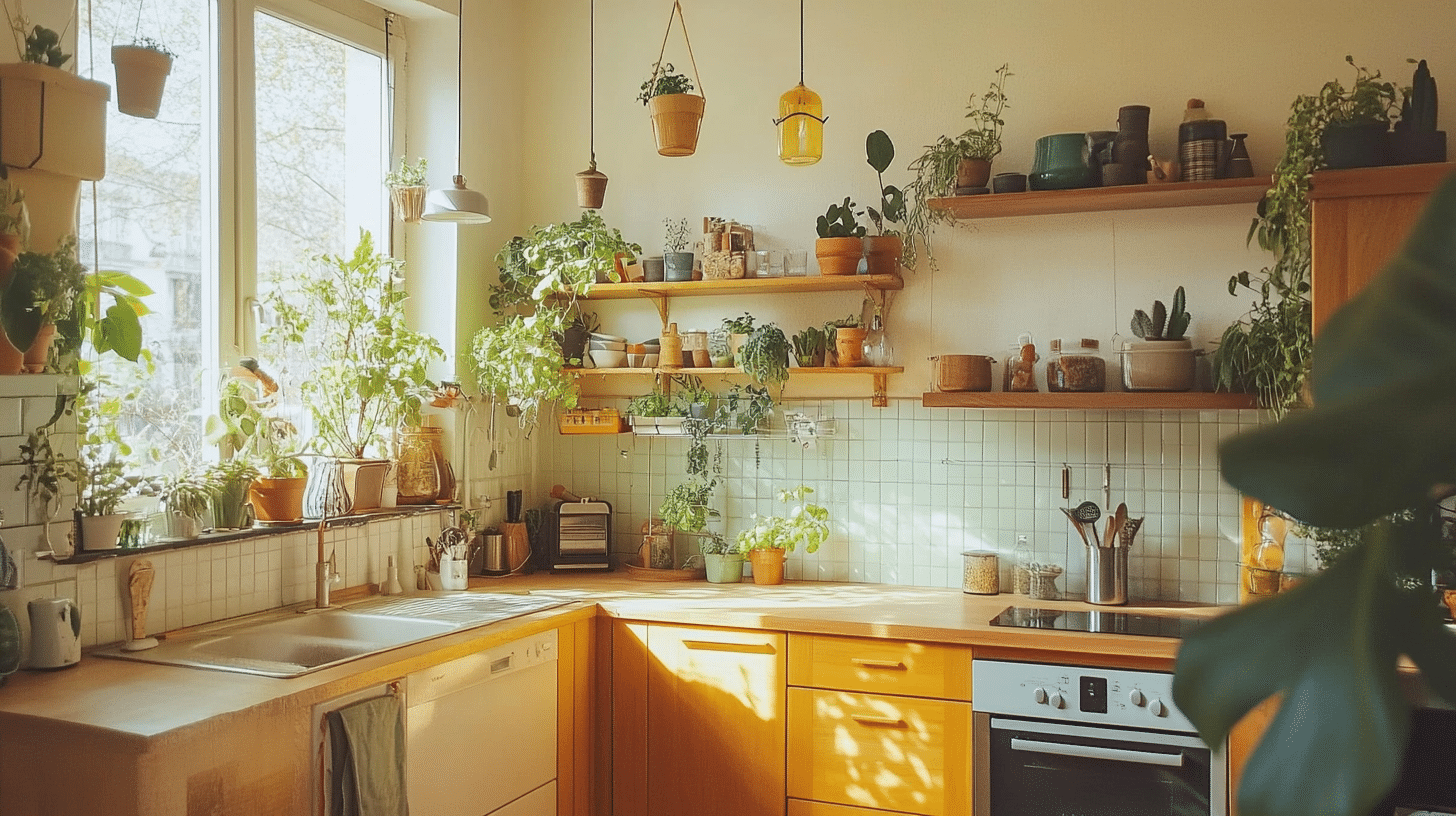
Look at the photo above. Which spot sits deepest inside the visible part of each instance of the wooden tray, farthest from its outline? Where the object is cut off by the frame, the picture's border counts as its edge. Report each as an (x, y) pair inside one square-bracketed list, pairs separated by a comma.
[(642, 573)]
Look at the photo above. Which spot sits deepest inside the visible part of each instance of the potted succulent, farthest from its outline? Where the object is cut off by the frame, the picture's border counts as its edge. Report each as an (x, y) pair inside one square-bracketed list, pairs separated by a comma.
[(141, 76), (677, 115), (676, 257), (369, 372), (951, 162), (407, 189), (809, 347), (1354, 124), (738, 329), (769, 538), (840, 245), (187, 496), (1162, 359), (884, 248), (721, 560)]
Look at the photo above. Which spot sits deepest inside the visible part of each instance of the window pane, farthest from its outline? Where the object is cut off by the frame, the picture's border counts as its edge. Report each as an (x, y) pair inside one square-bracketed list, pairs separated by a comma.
[(146, 219), (321, 133)]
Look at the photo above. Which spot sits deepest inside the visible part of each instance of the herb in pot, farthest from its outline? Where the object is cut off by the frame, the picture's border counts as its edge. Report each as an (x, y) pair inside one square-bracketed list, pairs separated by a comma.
[(664, 80)]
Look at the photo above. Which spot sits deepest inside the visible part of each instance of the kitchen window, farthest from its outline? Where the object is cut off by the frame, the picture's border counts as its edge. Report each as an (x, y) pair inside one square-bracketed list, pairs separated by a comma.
[(270, 147)]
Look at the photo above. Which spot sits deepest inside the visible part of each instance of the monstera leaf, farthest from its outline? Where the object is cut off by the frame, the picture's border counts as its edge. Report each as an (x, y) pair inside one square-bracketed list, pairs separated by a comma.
[(1380, 438)]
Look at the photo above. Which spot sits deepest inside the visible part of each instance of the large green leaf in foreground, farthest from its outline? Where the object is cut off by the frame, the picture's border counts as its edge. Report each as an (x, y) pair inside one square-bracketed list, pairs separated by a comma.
[(1381, 438)]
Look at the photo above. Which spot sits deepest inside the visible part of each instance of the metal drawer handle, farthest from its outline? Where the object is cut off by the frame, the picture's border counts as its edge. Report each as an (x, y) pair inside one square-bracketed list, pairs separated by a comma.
[(884, 722), (744, 648), (888, 665), (1093, 752)]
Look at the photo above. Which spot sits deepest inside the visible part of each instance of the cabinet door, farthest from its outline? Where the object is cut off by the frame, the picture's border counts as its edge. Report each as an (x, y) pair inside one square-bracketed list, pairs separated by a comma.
[(904, 754), (1359, 220), (902, 667), (713, 742)]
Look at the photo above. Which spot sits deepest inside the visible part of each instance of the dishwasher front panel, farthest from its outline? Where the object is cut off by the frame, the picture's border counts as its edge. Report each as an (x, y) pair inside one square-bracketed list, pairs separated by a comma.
[(481, 730)]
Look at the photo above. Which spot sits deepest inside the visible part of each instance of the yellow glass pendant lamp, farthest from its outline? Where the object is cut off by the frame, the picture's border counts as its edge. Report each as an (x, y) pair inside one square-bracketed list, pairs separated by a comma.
[(801, 117)]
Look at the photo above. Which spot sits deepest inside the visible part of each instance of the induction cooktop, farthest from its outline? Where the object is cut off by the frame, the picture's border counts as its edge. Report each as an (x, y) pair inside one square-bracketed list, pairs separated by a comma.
[(1100, 622)]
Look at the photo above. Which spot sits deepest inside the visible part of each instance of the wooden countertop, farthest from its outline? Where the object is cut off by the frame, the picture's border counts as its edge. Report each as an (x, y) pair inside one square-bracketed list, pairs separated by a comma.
[(142, 702)]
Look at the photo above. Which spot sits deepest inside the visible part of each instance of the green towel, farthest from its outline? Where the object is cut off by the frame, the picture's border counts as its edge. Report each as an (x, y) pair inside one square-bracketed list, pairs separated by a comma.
[(367, 742)]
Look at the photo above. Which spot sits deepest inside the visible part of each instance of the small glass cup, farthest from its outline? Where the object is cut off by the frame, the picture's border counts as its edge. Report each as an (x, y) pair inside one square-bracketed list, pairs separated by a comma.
[(797, 263), (770, 263)]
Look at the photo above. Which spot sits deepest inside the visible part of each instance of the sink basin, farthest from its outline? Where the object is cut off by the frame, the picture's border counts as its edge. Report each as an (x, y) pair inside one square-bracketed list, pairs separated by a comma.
[(300, 644)]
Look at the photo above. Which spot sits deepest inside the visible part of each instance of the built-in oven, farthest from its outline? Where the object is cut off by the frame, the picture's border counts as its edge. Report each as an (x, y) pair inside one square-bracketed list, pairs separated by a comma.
[(1053, 740)]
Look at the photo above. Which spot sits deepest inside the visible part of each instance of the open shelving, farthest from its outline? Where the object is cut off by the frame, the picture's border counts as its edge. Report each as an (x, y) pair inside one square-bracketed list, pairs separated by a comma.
[(1100, 401), (879, 397), (744, 286), (1105, 199)]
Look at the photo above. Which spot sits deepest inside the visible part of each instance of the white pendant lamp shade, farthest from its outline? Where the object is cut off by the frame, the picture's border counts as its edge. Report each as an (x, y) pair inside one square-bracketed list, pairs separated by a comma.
[(460, 205)]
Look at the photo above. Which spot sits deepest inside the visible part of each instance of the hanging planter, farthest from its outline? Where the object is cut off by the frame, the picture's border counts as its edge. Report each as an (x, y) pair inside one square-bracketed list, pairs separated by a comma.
[(677, 115), (407, 190), (591, 183), (141, 76)]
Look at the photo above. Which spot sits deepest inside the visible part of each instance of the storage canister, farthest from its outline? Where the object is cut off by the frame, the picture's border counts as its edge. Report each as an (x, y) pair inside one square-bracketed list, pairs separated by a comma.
[(960, 372), (982, 574), (1076, 365)]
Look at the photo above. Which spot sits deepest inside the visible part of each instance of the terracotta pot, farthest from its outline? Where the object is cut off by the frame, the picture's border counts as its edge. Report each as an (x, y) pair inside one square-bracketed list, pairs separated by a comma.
[(141, 76), (973, 172), (676, 120), (9, 251), (849, 347), (768, 566), (884, 254), (35, 356), (12, 360), (278, 501), (838, 256)]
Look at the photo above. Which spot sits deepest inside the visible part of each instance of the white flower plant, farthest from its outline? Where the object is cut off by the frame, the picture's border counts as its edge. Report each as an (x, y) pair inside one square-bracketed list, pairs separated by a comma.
[(805, 523)]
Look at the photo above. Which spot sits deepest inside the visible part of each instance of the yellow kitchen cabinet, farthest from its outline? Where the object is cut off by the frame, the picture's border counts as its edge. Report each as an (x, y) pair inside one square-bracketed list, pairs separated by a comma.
[(1359, 219), (854, 748), (697, 721)]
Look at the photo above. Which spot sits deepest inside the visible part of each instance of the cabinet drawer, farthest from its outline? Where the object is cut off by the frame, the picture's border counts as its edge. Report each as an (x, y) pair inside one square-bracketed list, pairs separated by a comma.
[(799, 807), (880, 751), (883, 666)]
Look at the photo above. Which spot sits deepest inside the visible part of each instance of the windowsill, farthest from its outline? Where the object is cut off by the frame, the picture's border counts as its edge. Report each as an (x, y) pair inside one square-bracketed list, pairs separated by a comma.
[(227, 536)]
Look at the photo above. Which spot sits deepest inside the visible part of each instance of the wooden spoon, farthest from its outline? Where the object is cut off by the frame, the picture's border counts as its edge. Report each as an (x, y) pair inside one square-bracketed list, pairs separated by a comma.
[(1114, 526)]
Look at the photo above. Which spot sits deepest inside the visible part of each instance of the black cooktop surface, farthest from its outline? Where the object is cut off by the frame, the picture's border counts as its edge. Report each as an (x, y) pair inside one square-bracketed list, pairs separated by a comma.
[(1105, 623)]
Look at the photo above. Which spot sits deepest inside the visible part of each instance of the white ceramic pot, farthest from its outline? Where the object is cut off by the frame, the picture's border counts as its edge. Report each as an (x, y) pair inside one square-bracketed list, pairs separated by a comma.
[(1158, 365)]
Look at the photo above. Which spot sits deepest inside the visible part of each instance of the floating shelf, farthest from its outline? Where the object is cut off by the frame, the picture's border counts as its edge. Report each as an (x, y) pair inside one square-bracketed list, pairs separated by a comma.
[(744, 286), (879, 398), (1105, 199), (1105, 401)]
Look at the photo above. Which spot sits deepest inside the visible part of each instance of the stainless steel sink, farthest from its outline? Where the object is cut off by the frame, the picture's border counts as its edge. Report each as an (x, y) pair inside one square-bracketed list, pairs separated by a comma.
[(292, 646)]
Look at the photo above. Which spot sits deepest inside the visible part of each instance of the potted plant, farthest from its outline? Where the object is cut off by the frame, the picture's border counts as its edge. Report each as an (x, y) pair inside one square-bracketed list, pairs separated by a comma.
[(1416, 139), (951, 162), (884, 248), (840, 245), (43, 289), (742, 410), (45, 470), (368, 368), (141, 76), (102, 484), (738, 329), (764, 356), (847, 336), (187, 496), (722, 561), (1163, 360), (809, 347), (14, 224), (677, 115), (234, 478), (676, 257), (769, 538), (1354, 124), (407, 189), (686, 507)]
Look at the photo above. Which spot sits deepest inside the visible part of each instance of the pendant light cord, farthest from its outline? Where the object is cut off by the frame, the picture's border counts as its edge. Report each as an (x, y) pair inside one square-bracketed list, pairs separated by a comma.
[(592, 91), (460, 88), (801, 42)]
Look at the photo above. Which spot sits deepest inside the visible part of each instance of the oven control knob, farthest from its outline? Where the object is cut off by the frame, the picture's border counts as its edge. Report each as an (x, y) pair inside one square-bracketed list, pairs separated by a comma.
[(1137, 698), (1039, 695), (1056, 700), (1158, 708)]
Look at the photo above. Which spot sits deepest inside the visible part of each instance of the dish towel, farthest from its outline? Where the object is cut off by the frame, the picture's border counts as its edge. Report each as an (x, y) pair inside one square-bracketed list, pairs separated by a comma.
[(367, 743)]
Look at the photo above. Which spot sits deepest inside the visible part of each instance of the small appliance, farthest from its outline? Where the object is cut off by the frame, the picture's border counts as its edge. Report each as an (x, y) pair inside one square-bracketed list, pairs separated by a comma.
[(578, 534), (55, 633)]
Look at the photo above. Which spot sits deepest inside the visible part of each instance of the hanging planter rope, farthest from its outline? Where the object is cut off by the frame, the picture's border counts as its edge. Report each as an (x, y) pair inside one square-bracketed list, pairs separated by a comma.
[(591, 185), (676, 118)]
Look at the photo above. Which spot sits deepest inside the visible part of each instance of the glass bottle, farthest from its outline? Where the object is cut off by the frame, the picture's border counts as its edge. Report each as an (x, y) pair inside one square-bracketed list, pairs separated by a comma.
[(1021, 566), (877, 351)]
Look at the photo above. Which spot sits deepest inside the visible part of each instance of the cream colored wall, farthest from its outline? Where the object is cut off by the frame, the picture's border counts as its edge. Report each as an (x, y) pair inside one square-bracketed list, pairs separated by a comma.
[(907, 68)]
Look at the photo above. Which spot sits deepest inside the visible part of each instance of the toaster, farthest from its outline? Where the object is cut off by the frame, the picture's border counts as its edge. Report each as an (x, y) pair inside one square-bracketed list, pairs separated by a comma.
[(579, 535)]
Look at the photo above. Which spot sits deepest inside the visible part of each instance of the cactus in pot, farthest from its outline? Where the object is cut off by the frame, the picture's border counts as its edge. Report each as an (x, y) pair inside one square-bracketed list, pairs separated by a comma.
[(1163, 325), (1164, 359)]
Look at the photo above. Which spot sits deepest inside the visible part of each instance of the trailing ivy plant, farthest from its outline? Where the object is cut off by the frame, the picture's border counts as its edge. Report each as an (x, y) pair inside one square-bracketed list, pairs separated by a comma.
[(686, 508), (1378, 440), (664, 80), (519, 360)]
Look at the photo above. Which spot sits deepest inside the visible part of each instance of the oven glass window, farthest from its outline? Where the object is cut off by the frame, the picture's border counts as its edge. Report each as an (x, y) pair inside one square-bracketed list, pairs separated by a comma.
[(1030, 778)]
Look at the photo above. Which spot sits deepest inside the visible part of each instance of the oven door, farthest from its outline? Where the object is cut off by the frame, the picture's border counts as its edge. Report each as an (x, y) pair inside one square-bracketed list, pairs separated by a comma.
[(1039, 768)]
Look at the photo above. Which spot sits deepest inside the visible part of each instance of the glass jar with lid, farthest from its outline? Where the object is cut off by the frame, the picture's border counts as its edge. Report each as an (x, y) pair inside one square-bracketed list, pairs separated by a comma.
[(695, 349), (1020, 373), (1076, 365)]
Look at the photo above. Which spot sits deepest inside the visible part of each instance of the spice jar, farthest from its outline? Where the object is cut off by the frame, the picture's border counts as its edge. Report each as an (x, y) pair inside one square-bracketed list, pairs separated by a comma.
[(1076, 365), (982, 575), (1021, 365), (695, 349)]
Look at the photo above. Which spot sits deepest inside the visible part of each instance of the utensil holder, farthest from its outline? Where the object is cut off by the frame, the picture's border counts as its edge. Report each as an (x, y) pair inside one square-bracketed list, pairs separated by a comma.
[(1107, 575), (454, 574)]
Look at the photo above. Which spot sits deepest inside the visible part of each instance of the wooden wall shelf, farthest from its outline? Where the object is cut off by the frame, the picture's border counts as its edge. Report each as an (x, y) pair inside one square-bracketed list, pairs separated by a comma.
[(744, 286), (1106, 401), (879, 398), (1105, 199)]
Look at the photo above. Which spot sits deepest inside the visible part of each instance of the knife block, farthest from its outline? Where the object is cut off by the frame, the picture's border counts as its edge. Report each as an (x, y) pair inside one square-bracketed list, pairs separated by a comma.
[(518, 545)]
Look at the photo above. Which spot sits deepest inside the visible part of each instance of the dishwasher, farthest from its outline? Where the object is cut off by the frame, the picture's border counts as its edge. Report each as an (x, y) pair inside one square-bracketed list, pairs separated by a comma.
[(480, 733)]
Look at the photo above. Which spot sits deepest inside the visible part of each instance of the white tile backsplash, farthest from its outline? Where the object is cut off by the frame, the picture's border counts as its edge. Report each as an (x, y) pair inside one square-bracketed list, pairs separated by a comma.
[(910, 488)]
